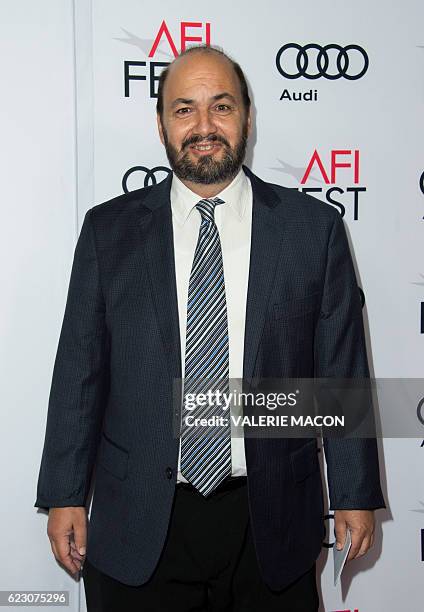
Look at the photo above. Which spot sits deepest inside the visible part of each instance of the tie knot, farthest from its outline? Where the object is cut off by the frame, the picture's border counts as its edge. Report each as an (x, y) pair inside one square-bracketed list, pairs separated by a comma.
[(206, 208)]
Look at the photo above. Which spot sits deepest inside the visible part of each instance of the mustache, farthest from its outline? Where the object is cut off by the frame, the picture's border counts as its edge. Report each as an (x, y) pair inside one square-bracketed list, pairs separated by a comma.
[(196, 139)]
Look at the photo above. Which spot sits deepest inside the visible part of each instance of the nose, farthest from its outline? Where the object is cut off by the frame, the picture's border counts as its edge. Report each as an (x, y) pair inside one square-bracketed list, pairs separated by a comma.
[(205, 124)]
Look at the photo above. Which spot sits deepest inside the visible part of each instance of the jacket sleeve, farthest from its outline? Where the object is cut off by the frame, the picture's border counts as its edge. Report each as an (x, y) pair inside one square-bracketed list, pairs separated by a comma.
[(340, 352), (79, 385)]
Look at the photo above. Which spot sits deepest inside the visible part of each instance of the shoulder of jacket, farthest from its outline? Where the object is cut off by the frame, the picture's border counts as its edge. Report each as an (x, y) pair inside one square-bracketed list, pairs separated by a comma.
[(299, 205), (123, 202), (304, 200)]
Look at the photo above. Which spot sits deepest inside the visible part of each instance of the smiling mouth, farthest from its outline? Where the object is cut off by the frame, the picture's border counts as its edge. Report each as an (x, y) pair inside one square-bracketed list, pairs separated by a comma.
[(206, 147)]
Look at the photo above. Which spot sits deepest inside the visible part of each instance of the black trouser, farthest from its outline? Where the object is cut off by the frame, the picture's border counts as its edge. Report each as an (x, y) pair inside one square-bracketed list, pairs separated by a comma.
[(208, 564)]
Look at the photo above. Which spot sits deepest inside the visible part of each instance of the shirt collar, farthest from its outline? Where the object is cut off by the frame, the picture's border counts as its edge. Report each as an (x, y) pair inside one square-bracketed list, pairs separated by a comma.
[(183, 199)]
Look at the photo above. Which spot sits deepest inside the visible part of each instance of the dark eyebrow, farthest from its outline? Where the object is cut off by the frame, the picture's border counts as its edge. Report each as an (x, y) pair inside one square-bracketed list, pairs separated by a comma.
[(225, 95), (216, 98), (181, 101)]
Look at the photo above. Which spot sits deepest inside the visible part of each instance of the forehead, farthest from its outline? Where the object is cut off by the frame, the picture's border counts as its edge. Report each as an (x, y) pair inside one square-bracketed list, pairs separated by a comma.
[(200, 73)]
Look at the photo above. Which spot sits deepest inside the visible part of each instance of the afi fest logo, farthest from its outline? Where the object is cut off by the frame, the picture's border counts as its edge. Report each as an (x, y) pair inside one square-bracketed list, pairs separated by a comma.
[(338, 171), (160, 51), (313, 61)]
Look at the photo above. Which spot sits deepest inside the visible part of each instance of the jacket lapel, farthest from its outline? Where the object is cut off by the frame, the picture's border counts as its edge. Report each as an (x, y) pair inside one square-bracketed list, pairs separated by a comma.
[(265, 249), (157, 239)]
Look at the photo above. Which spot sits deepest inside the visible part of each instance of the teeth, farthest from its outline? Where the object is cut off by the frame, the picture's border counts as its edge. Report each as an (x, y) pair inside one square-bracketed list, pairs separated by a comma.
[(204, 147)]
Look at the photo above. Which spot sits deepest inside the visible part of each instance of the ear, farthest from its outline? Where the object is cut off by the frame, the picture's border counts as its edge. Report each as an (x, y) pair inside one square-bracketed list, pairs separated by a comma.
[(160, 128), (249, 122)]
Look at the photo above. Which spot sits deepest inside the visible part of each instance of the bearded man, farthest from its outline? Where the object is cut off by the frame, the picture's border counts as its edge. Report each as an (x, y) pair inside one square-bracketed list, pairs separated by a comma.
[(213, 273)]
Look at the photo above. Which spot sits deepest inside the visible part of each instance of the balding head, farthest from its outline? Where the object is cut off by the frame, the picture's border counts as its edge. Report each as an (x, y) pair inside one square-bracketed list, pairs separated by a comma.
[(215, 53)]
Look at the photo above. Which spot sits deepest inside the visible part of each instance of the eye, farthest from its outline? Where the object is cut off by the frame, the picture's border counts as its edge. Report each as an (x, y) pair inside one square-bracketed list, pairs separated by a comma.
[(223, 108), (183, 111)]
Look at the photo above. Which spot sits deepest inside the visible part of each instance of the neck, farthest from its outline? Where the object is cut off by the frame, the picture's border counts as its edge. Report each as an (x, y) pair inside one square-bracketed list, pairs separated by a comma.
[(207, 191)]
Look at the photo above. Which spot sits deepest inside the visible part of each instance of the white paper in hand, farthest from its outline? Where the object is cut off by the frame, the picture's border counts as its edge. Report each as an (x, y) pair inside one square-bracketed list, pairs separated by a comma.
[(340, 556)]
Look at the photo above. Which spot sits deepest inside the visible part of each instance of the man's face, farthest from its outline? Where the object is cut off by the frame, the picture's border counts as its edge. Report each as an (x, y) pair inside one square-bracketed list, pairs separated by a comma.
[(204, 126)]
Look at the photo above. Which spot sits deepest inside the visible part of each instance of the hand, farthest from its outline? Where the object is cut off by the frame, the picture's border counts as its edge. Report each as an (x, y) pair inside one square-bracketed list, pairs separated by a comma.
[(361, 525), (67, 531)]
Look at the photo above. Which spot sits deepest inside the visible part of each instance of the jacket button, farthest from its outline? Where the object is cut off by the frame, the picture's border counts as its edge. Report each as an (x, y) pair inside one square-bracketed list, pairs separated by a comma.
[(169, 472)]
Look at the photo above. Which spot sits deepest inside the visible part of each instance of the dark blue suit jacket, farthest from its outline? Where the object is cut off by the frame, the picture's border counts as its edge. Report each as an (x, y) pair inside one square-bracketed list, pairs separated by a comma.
[(111, 399)]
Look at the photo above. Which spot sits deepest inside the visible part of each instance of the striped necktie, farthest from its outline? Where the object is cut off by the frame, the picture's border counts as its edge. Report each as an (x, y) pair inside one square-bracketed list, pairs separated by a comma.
[(206, 450)]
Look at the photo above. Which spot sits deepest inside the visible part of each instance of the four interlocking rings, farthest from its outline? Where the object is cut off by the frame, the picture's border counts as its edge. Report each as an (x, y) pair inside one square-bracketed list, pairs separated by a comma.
[(322, 61)]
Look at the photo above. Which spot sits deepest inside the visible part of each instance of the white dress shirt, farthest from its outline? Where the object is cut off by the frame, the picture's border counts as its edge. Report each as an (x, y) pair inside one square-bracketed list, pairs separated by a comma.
[(234, 223)]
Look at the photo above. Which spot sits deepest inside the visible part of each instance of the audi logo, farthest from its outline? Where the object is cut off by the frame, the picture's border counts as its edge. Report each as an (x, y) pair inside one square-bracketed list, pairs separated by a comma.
[(304, 58), (422, 183), (149, 175)]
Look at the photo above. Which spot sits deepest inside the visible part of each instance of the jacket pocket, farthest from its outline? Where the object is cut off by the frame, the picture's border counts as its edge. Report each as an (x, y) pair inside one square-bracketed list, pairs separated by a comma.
[(304, 460), (113, 457)]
